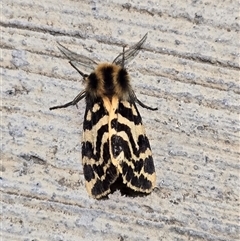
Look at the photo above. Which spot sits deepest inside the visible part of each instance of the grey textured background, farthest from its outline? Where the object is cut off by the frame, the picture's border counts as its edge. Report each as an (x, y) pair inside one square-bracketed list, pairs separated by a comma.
[(189, 69)]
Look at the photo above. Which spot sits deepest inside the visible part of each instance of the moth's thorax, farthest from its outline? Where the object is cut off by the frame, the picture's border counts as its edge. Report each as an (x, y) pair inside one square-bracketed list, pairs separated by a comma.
[(108, 80)]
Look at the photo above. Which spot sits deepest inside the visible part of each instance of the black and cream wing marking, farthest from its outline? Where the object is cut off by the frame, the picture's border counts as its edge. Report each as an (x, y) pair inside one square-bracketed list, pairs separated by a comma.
[(99, 171), (115, 144), (130, 148)]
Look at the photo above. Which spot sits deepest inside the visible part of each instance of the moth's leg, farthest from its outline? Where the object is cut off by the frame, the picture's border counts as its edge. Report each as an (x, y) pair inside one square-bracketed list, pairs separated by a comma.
[(134, 98), (80, 96), (145, 106)]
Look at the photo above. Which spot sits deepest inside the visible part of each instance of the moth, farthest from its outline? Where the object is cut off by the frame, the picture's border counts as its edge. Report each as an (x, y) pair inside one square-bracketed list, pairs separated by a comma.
[(114, 143)]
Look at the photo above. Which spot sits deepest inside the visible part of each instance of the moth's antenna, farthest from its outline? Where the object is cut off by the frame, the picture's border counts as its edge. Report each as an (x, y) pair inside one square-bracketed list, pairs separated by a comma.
[(123, 56), (126, 56)]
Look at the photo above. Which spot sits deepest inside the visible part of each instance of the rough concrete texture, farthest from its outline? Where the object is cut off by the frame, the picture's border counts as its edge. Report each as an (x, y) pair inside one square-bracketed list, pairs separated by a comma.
[(189, 69)]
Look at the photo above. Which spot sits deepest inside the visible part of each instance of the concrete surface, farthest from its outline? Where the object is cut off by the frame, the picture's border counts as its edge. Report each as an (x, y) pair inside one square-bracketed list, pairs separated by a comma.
[(189, 69)]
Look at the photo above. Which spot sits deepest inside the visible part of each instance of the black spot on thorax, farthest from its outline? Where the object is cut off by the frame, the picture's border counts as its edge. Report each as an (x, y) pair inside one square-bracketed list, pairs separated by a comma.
[(123, 79), (107, 73), (93, 81)]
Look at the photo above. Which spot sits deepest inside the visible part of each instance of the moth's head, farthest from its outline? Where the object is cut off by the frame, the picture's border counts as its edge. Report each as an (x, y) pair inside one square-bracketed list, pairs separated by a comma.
[(108, 80)]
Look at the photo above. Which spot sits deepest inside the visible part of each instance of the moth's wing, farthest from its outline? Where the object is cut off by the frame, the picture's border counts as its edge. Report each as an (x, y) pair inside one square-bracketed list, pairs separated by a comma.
[(99, 172), (131, 149)]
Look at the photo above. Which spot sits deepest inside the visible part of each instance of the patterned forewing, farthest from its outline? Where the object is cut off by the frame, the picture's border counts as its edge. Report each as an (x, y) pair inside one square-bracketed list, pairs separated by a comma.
[(99, 172), (131, 150)]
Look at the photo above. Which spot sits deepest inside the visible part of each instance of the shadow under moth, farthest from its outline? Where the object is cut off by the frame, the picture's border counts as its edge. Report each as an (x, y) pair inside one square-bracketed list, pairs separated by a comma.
[(115, 148)]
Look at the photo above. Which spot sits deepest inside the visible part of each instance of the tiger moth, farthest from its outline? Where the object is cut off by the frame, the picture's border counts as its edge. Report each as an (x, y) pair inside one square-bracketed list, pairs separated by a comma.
[(115, 148)]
